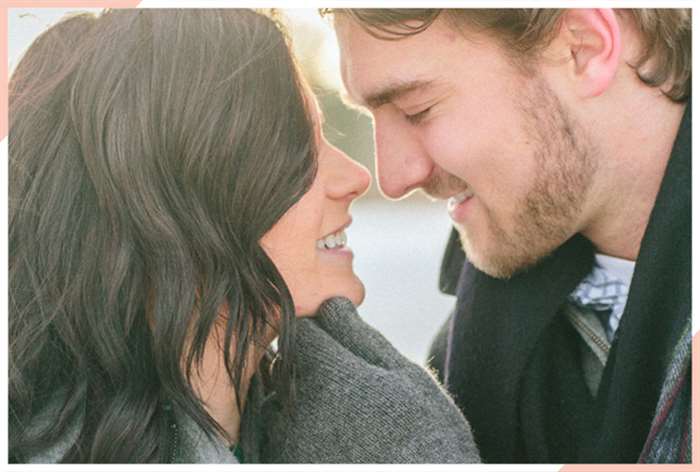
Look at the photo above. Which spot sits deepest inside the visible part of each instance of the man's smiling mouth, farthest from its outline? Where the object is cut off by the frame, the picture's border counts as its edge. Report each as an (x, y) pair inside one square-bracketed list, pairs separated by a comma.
[(455, 200)]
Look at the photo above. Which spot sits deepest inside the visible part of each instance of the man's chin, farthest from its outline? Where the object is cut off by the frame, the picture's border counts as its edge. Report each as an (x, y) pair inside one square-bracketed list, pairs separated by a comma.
[(502, 264), (494, 270)]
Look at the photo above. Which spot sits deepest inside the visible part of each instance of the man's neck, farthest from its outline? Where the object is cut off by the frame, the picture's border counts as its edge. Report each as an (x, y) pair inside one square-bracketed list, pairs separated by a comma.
[(634, 171)]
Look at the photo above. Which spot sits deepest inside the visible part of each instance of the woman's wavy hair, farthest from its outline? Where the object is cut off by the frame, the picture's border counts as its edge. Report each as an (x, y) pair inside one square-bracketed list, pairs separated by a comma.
[(150, 150), (665, 59)]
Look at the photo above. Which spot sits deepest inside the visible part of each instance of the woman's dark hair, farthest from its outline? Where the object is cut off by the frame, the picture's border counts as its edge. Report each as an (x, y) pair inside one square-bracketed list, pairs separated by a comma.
[(150, 150)]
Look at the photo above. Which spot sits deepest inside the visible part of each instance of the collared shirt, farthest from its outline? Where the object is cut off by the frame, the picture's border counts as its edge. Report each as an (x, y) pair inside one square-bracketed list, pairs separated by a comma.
[(609, 281)]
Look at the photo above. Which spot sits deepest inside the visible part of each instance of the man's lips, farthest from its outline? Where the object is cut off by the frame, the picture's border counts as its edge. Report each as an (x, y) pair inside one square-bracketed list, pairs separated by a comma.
[(456, 205), (455, 200)]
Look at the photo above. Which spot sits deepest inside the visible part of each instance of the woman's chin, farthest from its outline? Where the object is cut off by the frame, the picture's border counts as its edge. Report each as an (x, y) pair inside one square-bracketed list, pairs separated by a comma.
[(354, 293), (360, 295)]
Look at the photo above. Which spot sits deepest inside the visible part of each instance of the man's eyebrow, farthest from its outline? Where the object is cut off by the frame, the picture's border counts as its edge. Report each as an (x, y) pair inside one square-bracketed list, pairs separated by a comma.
[(393, 92), (349, 102)]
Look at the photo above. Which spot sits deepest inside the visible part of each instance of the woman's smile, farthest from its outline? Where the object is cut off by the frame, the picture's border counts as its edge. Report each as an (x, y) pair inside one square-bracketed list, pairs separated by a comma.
[(309, 244)]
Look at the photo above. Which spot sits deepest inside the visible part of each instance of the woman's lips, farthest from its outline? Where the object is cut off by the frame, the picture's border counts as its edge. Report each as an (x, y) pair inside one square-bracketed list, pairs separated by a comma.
[(336, 239), (332, 241), (336, 243), (334, 246)]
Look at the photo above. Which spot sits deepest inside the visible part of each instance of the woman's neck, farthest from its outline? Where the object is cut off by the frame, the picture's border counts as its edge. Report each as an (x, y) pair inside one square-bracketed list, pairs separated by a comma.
[(212, 384)]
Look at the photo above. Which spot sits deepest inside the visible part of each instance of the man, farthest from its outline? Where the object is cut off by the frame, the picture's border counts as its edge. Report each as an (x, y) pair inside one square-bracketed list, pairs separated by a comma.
[(560, 140)]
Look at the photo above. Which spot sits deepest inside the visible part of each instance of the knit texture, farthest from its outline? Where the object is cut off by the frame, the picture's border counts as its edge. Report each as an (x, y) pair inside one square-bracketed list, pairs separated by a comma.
[(360, 401), (194, 446)]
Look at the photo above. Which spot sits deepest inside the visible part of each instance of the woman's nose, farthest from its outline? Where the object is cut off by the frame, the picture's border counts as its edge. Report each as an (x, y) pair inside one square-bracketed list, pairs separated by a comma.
[(346, 178)]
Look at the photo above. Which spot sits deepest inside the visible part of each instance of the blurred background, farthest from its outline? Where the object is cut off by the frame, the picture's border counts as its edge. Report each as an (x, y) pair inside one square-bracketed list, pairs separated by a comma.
[(397, 244)]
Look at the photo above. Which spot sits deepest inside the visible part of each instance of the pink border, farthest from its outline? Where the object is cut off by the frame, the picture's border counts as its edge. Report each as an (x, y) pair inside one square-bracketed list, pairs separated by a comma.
[(133, 3)]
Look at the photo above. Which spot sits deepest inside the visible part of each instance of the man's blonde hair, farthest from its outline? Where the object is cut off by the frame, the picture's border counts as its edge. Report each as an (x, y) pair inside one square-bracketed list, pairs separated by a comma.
[(665, 59)]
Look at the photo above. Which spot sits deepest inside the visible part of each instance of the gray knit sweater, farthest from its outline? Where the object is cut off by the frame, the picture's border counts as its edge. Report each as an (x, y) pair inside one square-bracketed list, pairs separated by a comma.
[(360, 401)]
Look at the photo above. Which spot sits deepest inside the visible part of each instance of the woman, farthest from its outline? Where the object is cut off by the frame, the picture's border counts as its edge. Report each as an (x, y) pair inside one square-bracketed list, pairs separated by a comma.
[(173, 207)]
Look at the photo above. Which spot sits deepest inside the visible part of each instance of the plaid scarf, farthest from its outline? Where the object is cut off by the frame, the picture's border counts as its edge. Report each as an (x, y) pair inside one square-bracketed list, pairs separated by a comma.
[(670, 434)]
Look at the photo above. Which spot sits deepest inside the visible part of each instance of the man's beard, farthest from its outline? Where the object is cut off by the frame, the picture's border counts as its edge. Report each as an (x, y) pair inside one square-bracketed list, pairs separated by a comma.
[(548, 214)]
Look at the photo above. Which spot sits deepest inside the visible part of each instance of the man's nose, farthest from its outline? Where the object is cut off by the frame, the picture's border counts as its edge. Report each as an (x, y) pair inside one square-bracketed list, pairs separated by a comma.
[(401, 162)]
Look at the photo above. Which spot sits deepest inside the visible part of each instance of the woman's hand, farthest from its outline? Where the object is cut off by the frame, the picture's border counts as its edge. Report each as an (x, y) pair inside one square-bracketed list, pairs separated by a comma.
[(360, 401)]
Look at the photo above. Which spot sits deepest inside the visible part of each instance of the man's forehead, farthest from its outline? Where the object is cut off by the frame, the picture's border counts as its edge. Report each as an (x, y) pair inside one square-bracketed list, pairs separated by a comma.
[(377, 71)]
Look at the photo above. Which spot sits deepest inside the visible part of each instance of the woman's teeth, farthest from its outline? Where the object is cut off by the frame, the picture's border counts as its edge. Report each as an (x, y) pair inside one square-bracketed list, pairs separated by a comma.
[(336, 240)]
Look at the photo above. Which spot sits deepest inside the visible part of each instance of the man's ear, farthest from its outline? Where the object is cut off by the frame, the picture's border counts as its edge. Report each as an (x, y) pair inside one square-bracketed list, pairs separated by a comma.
[(594, 41)]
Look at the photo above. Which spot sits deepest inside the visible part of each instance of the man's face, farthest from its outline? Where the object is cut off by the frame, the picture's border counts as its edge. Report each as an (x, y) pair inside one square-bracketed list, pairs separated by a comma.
[(453, 117)]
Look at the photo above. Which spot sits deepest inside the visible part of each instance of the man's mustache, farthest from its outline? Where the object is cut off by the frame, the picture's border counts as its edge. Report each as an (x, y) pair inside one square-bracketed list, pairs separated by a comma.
[(442, 185)]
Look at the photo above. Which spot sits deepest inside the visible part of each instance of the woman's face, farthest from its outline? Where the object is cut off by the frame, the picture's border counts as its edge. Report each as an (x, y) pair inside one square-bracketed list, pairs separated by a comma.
[(308, 244)]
